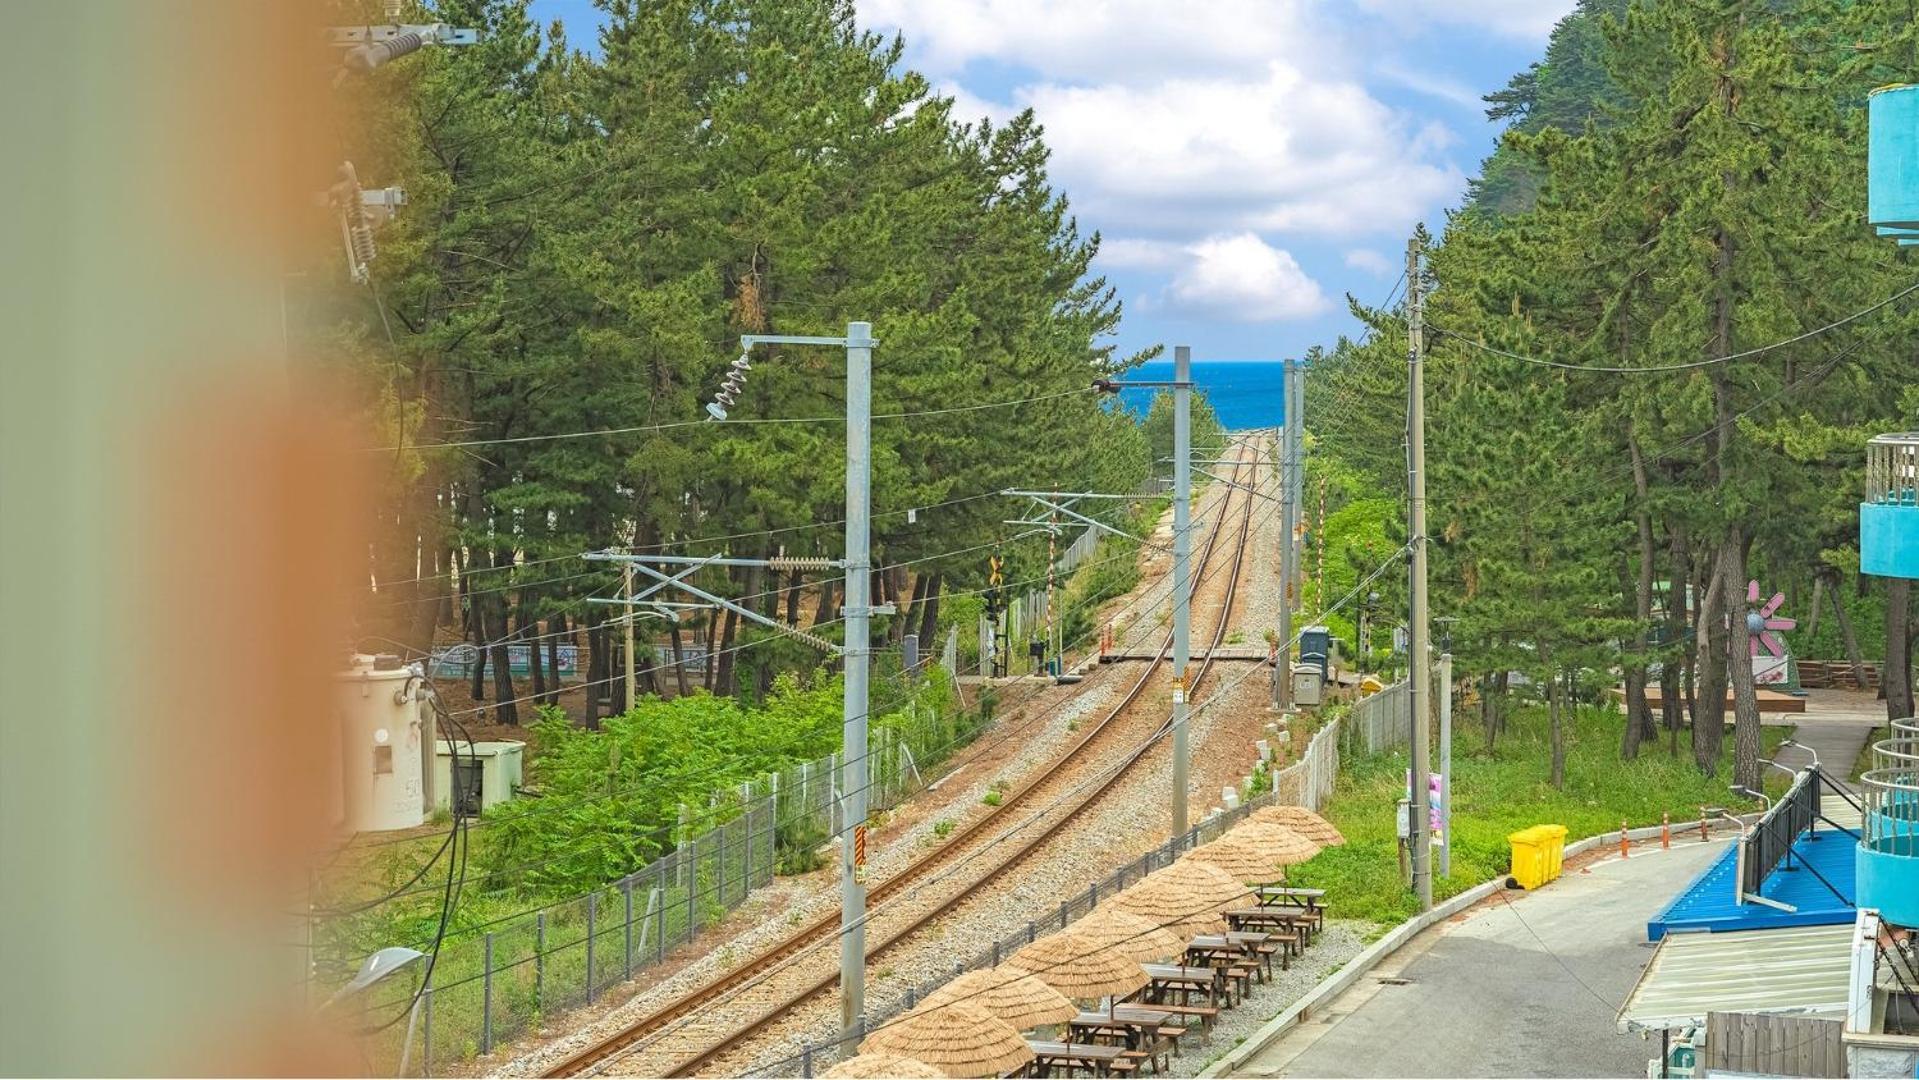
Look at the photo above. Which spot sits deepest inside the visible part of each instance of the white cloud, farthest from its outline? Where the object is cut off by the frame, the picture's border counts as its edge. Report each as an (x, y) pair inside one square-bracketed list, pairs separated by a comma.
[(1102, 40), (1370, 261), (1131, 253), (1528, 19), (1282, 152), (1243, 278), (1433, 86)]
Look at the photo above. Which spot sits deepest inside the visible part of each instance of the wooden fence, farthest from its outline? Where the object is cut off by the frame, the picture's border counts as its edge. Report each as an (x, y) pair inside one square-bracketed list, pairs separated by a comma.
[(1773, 1045)]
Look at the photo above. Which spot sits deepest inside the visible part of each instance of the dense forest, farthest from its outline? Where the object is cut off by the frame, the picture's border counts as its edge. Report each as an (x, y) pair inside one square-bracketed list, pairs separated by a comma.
[(584, 241), (1658, 337)]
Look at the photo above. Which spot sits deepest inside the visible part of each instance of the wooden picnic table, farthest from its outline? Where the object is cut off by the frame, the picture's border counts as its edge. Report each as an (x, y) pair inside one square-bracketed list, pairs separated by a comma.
[(1261, 946), (1100, 1060), (1141, 1029), (1163, 979), (1286, 894), (1297, 923), (1215, 952)]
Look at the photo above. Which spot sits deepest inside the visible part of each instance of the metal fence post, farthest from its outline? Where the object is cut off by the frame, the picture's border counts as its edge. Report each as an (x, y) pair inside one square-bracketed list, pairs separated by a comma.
[(426, 1034), (592, 910), (627, 887), (539, 960), (720, 864), (486, 995), (658, 904)]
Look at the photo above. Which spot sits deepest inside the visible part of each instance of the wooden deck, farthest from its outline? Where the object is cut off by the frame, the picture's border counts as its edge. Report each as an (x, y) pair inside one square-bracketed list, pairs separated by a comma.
[(1770, 701)]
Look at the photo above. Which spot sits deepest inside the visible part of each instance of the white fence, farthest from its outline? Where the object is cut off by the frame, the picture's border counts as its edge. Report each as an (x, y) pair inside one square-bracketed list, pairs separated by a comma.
[(1380, 721)]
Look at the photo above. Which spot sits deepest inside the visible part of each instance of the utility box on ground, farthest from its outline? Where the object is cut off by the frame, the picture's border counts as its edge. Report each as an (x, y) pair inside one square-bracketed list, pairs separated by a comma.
[(1538, 854), (382, 728), (1309, 684), (1316, 648), (479, 777)]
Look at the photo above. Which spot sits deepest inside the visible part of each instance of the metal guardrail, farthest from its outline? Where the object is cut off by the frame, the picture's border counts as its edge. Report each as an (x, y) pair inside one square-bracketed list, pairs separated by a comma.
[(1769, 842), (1891, 789)]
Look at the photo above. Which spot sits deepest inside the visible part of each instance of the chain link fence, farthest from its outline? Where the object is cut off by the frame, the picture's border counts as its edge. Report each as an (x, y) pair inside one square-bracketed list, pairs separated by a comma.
[(1380, 721)]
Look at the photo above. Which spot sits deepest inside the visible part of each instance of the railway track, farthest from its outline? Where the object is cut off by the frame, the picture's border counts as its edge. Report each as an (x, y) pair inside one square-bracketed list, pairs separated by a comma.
[(678, 1041)]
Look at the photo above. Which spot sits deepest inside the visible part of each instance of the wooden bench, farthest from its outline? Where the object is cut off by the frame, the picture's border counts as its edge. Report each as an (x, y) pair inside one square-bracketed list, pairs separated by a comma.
[(1101, 1060), (1205, 1014), (1148, 1033)]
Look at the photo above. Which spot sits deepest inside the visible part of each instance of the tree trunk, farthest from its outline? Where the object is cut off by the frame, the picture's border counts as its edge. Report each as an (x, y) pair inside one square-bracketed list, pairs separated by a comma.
[(723, 678), (530, 633), (679, 660), (824, 613), (1709, 710), (1555, 699), (930, 615), (1895, 675), (476, 619), (555, 630), (793, 598), (712, 650), (1676, 664), (1745, 692), (1853, 654), (1639, 721), (1818, 600), (596, 666), (505, 709)]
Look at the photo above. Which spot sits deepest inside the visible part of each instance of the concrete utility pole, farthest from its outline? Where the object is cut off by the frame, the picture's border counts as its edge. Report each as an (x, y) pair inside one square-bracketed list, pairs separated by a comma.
[(1446, 761), (1182, 573), (858, 652), (1289, 527), (1419, 636)]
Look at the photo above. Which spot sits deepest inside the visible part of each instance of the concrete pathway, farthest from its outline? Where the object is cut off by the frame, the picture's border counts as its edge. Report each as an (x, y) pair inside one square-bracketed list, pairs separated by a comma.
[(1837, 724), (1526, 984)]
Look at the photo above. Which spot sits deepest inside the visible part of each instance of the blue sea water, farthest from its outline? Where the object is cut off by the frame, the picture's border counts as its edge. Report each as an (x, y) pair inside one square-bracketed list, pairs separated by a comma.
[(1244, 393)]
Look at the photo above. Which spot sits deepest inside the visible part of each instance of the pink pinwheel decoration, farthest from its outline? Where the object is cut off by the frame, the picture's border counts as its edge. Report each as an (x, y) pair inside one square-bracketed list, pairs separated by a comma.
[(1762, 624)]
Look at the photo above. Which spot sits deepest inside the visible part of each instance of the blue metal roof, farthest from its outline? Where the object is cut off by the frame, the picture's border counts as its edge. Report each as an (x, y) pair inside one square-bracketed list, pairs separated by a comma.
[(1708, 902)]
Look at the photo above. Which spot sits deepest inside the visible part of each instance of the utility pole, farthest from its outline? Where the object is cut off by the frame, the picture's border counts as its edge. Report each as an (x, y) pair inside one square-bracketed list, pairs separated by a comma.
[(1289, 527), (858, 650), (632, 682), (1419, 635), (1182, 574), (1446, 759)]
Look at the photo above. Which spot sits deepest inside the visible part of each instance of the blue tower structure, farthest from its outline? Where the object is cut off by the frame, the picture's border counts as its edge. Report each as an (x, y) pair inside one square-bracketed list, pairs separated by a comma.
[(1892, 163)]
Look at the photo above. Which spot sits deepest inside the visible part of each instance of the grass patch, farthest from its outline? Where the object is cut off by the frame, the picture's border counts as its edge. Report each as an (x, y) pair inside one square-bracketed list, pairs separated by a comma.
[(1500, 791)]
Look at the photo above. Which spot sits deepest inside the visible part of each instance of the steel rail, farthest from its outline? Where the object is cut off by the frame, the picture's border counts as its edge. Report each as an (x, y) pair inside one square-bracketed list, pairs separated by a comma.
[(827, 925)]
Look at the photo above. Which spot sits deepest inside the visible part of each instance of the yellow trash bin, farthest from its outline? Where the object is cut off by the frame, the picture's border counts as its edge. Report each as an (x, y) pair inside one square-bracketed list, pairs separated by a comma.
[(1538, 854)]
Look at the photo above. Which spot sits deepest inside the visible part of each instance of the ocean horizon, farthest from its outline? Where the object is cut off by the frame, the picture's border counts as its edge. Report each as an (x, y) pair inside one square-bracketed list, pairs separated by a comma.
[(1245, 394)]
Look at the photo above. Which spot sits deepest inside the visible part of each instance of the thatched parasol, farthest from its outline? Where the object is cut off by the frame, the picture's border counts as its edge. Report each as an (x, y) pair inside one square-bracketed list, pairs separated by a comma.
[(1078, 966), (1135, 937), (1208, 884), (883, 1067), (1255, 852), (1165, 904), (1014, 996), (1302, 821), (1247, 862), (960, 1039)]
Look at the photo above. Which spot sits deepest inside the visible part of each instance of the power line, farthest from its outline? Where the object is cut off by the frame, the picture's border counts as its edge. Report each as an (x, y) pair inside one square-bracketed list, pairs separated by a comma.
[(1794, 340), (678, 424)]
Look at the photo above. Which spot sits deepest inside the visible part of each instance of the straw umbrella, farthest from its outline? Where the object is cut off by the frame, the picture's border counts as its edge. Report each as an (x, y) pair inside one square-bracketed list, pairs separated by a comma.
[(1133, 936), (883, 1067), (1302, 821), (1078, 967), (1014, 996), (1209, 885), (1244, 860), (960, 1039), (1165, 904)]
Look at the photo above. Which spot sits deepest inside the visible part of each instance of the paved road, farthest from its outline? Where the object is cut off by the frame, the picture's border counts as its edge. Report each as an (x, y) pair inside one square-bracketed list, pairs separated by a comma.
[(1528, 987)]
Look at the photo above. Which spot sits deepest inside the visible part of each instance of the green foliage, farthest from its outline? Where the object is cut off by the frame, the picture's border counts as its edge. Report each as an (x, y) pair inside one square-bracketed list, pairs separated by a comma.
[(1496, 792)]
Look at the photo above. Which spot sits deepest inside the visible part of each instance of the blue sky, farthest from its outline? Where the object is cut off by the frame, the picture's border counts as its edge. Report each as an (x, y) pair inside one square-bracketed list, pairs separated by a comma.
[(1247, 162)]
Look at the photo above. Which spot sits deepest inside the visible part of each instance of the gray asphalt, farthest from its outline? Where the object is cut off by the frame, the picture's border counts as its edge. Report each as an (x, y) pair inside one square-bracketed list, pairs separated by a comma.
[(1525, 987)]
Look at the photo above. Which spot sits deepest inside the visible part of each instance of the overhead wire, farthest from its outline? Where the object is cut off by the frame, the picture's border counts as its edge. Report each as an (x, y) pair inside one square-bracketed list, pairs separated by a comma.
[(999, 734), (1689, 366), (1219, 694)]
